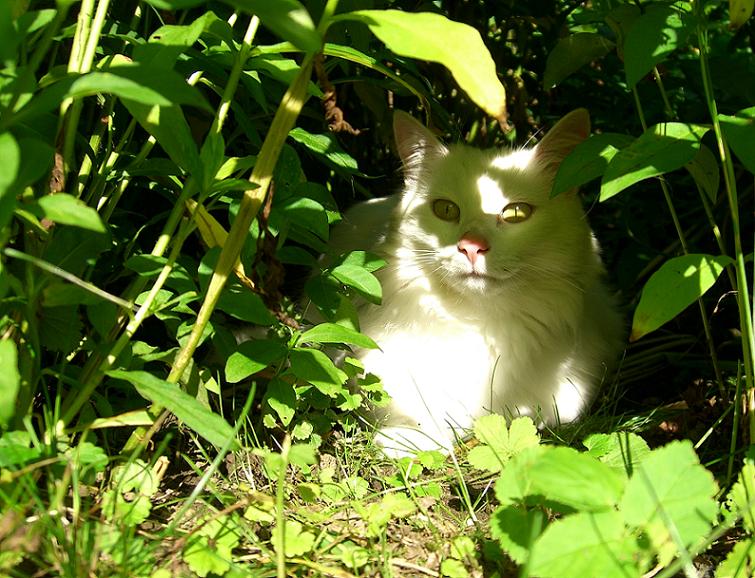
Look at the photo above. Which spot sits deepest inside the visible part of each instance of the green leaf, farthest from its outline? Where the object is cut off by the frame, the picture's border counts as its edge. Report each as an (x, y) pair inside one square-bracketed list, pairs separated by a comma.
[(302, 212), (16, 449), (281, 397), (297, 541), (60, 328), (325, 145), (588, 160), (516, 529), (740, 562), (186, 408), (586, 544), (363, 259), (11, 155), (453, 568), (671, 491), (359, 279), (673, 288), (211, 549), (433, 37), (571, 53), (662, 148), (287, 18), (68, 210), (706, 172), (653, 36), (315, 367), (560, 475), (621, 451), (334, 333), (741, 498), (501, 442), (251, 357), (10, 381), (739, 131)]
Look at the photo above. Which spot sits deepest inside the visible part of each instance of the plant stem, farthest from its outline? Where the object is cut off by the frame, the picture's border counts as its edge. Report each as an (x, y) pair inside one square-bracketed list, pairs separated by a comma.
[(742, 288)]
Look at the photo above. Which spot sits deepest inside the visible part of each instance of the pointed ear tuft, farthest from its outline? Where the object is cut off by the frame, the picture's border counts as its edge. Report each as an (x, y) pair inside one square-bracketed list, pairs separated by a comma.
[(571, 130), (414, 142)]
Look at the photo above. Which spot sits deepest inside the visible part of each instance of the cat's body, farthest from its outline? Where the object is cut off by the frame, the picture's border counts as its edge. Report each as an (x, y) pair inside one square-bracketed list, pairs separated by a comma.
[(492, 296)]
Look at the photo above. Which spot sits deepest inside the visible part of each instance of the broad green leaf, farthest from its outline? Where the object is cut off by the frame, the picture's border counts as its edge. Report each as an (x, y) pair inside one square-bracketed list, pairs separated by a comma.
[(210, 551), (168, 125), (501, 442), (586, 544), (68, 210), (36, 159), (287, 18), (304, 213), (452, 568), (706, 172), (674, 287), (296, 539), (60, 328), (359, 279), (281, 397), (662, 148), (333, 333), (16, 449), (313, 366), (740, 562), (363, 259), (516, 529), (739, 131), (621, 451), (11, 155), (671, 491), (251, 357), (186, 408), (10, 380), (653, 36), (740, 12), (560, 476), (433, 37), (571, 53), (588, 160), (327, 146)]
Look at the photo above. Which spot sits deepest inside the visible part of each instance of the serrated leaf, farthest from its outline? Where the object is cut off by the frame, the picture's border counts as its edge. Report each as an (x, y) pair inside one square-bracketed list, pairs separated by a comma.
[(10, 381), (662, 148), (251, 357), (186, 408), (297, 540), (586, 544), (740, 562), (739, 131), (741, 498), (561, 476), (668, 491), (621, 451), (334, 333), (571, 53), (652, 37), (211, 549), (433, 37), (501, 442), (673, 288), (68, 210), (315, 367), (516, 529), (588, 160)]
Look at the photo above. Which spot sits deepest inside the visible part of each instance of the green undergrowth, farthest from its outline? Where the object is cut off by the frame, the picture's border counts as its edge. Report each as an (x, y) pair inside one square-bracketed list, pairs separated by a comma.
[(177, 362)]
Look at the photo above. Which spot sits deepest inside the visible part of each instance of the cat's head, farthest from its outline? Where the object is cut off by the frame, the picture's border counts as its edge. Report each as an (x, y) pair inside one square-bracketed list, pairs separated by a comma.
[(481, 221)]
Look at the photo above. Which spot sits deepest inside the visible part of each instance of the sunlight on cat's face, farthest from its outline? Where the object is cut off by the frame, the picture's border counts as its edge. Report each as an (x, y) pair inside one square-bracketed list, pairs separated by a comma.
[(481, 221)]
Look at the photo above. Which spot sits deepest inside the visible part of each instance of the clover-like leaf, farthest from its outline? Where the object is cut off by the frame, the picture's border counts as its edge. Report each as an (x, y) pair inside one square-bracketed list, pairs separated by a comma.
[(501, 442)]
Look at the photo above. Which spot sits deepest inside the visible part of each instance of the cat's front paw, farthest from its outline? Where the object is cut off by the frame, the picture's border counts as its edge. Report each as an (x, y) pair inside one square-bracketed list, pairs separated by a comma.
[(400, 441)]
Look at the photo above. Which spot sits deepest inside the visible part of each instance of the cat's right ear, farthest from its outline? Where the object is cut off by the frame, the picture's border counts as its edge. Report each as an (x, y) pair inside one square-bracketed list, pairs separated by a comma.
[(414, 142)]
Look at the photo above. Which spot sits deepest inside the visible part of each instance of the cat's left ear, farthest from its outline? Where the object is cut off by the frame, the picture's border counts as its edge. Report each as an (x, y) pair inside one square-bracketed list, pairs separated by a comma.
[(562, 138)]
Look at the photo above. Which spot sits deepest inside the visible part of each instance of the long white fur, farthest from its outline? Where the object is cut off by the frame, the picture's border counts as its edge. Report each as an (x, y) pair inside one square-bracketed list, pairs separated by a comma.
[(531, 333)]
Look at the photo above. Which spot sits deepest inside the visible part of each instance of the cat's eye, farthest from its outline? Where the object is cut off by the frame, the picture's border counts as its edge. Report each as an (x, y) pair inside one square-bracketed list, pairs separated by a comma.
[(516, 212), (446, 210)]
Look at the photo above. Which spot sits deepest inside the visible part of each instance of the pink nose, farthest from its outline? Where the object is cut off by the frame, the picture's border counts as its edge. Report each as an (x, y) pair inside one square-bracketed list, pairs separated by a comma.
[(473, 246)]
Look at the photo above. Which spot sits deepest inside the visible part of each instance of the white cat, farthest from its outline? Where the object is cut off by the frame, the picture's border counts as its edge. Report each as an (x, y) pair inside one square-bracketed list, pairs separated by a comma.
[(492, 296)]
